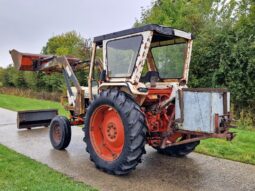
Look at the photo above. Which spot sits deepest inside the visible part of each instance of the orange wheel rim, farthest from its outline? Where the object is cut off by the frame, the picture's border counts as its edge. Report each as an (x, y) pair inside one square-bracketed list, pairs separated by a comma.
[(107, 133)]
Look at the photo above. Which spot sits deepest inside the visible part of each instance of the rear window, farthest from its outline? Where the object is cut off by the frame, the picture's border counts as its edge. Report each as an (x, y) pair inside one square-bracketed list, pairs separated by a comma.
[(170, 60)]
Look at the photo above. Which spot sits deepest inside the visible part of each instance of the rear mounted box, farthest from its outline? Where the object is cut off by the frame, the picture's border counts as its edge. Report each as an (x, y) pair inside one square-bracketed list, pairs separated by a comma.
[(196, 108)]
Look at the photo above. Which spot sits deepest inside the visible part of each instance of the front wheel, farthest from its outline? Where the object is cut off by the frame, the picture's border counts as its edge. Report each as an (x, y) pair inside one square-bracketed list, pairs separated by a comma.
[(115, 132), (60, 132)]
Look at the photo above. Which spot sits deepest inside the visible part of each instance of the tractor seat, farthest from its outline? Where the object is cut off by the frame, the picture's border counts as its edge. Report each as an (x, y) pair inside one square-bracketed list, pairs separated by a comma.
[(151, 77)]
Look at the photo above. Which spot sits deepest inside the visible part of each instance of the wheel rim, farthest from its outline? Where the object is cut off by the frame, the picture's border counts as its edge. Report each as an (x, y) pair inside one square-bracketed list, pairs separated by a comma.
[(56, 133), (107, 133)]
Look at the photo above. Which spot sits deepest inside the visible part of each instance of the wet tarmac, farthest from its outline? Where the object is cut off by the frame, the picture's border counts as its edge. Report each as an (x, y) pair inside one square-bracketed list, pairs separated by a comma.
[(156, 172)]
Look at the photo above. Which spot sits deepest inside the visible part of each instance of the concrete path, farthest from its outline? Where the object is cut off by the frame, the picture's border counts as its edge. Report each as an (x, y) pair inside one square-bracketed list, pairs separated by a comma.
[(157, 172)]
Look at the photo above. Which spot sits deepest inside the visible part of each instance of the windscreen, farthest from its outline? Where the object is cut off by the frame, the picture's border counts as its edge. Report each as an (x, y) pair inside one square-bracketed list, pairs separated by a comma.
[(170, 60), (121, 56)]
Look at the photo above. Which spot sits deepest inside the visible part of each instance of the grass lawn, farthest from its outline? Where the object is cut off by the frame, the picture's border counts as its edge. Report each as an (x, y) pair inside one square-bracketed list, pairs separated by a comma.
[(20, 173), (242, 148), (16, 103)]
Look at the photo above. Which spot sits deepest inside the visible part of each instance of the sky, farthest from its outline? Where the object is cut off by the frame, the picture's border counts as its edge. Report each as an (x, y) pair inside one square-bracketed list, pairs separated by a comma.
[(26, 25)]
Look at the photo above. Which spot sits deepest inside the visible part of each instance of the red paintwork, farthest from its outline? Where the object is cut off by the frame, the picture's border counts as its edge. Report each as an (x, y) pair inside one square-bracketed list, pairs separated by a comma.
[(76, 120), (158, 123), (25, 61)]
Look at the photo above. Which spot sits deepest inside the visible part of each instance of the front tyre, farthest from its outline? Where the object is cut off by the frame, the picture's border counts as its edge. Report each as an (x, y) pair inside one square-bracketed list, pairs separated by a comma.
[(115, 132), (60, 132)]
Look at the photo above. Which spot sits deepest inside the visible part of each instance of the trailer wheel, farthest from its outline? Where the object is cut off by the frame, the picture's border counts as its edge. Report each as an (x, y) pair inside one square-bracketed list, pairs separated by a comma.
[(60, 132), (179, 150), (115, 132)]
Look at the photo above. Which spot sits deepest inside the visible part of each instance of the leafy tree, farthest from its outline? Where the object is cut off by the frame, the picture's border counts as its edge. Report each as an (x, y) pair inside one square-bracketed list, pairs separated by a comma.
[(71, 44), (1, 76), (9, 76)]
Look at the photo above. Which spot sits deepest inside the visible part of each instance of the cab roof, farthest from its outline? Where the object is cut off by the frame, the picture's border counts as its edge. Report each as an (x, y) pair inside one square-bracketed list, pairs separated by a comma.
[(161, 33)]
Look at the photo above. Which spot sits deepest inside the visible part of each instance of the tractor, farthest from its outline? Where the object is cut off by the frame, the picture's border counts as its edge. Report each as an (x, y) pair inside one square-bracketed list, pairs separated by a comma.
[(136, 95)]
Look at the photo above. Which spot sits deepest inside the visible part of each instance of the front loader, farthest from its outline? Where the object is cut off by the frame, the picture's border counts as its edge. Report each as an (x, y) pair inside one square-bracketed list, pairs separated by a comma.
[(141, 96)]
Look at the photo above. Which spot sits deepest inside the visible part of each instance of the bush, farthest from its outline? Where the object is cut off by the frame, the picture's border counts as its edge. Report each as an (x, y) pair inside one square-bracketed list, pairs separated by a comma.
[(53, 96), (246, 120)]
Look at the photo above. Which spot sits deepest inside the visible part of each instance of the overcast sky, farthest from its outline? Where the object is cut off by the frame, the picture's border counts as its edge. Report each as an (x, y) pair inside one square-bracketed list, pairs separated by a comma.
[(26, 25)]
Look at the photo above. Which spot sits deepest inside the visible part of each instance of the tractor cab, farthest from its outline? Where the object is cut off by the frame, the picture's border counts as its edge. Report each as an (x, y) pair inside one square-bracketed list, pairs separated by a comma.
[(144, 57)]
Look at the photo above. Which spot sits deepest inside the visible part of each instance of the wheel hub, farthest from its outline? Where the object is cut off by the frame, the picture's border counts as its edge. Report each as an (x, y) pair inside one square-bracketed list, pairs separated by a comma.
[(57, 133), (111, 131)]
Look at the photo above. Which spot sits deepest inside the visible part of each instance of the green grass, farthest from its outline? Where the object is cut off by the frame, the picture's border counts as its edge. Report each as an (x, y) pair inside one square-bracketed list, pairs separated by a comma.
[(241, 148), (18, 173), (16, 103)]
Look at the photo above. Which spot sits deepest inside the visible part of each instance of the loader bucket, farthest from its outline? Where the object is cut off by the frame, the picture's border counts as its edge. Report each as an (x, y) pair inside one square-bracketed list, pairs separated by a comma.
[(35, 118), (24, 61)]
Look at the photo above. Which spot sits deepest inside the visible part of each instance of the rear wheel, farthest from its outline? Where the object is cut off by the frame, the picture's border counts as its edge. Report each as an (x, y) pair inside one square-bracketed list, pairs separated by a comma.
[(179, 150), (60, 132), (115, 132)]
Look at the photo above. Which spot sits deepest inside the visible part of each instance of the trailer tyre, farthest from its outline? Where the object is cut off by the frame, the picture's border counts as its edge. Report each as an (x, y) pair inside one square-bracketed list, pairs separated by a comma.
[(179, 150), (60, 132), (115, 132)]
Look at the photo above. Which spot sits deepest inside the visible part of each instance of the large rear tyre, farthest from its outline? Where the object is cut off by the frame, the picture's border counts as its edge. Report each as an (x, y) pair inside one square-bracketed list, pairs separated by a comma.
[(179, 150), (60, 132), (115, 132)]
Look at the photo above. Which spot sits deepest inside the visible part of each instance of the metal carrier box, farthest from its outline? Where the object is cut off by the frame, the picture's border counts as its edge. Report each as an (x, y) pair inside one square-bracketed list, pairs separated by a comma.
[(196, 108)]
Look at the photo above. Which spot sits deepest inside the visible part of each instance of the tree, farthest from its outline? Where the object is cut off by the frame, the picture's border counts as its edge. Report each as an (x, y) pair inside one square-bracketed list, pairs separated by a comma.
[(1, 76), (71, 44)]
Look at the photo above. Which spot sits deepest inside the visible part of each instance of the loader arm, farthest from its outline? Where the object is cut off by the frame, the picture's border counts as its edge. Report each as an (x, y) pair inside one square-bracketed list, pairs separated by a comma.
[(50, 64), (62, 63)]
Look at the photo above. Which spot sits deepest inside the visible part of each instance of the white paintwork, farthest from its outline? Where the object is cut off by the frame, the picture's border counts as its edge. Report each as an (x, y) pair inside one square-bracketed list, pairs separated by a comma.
[(71, 99), (182, 34), (68, 71)]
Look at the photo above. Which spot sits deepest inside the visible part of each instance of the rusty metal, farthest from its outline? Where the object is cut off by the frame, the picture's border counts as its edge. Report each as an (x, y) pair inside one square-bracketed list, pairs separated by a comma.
[(37, 62), (187, 62), (180, 95), (90, 78), (216, 123), (226, 135), (150, 62), (35, 118), (225, 103)]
